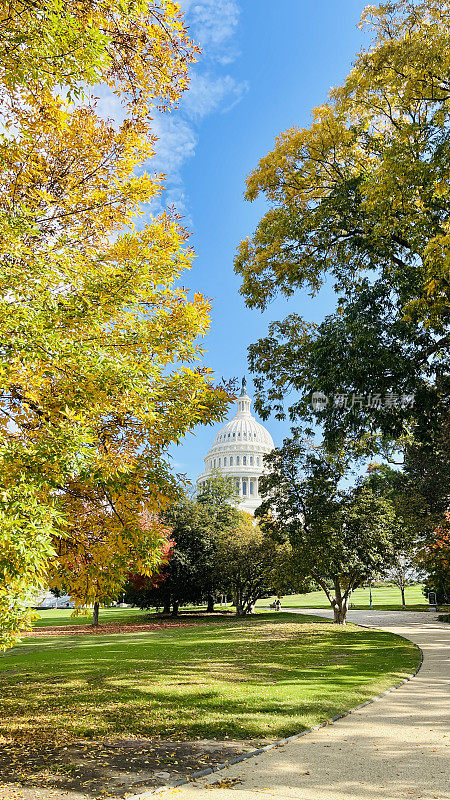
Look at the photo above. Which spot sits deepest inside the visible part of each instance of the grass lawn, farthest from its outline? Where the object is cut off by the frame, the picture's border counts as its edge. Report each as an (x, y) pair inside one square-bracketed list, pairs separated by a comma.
[(385, 598), (259, 678)]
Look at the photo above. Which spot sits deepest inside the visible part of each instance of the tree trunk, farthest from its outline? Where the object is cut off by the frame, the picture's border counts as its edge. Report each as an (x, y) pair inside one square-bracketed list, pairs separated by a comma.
[(95, 614), (340, 611), (402, 589), (175, 608), (166, 603), (339, 603), (210, 606)]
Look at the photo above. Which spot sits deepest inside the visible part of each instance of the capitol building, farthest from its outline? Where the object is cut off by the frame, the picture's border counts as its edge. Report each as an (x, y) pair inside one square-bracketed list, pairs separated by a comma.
[(237, 452)]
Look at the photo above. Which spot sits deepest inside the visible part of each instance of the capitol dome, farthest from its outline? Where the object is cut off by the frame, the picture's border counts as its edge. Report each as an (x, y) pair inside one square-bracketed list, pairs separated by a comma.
[(237, 452)]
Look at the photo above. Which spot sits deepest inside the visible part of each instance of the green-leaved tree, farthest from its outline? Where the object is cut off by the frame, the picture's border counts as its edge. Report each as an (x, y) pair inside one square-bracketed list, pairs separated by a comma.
[(360, 200), (340, 538)]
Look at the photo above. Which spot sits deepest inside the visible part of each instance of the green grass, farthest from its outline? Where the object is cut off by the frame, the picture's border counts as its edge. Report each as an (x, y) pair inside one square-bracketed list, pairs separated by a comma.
[(62, 616), (385, 598), (262, 678)]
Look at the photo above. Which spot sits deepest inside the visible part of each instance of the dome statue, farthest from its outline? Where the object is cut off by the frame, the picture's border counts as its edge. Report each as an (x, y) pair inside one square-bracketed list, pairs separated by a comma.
[(237, 452)]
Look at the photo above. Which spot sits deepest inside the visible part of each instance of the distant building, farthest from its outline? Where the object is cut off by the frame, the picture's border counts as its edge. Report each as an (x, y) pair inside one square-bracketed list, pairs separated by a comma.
[(237, 452), (47, 599)]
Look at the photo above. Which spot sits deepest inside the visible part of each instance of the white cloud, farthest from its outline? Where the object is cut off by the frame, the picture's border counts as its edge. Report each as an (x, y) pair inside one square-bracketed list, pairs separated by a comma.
[(212, 22), (206, 94), (176, 144)]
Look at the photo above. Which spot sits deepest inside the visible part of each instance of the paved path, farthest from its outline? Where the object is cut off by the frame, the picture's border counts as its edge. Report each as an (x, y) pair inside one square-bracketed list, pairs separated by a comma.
[(397, 748)]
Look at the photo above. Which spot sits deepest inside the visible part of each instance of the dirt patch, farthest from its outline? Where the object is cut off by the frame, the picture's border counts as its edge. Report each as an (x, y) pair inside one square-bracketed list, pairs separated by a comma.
[(109, 627), (114, 627), (88, 770)]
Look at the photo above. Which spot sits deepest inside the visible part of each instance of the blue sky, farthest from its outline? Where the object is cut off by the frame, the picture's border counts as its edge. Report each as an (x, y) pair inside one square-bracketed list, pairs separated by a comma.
[(264, 67)]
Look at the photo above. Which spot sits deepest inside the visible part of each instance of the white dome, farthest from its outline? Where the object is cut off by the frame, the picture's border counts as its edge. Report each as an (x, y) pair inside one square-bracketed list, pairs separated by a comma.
[(244, 429), (238, 451)]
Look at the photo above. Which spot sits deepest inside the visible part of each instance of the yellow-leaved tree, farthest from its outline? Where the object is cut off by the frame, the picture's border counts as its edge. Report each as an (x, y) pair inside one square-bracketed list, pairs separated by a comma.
[(100, 345), (359, 200)]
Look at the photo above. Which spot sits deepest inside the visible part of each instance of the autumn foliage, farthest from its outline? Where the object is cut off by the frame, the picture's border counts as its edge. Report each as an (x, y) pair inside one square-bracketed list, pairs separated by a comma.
[(95, 557), (100, 342), (435, 557), (359, 200)]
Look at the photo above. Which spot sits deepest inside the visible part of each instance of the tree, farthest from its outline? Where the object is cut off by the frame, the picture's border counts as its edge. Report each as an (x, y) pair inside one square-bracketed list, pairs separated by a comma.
[(435, 558), (94, 560), (199, 527), (139, 589), (186, 578), (141, 50), (408, 522), (340, 538), (219, 494), (26, 526), (403, 573), (359, 199), (427, 470), (219, 497), (248, 562), (100, 344)]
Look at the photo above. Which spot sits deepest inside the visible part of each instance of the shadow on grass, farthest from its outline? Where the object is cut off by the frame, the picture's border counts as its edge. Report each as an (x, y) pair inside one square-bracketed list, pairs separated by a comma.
[(228, 682), (246, 678)]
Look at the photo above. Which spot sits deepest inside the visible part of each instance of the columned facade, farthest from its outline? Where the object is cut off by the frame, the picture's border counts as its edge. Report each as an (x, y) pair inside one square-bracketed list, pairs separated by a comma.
[(238, 451)]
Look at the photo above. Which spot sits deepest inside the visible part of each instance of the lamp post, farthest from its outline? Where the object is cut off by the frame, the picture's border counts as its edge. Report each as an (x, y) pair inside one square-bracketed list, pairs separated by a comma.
[(370, 596)]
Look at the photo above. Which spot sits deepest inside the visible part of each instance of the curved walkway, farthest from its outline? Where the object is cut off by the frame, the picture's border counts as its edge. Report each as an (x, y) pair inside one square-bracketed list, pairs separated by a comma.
[(397, 748)]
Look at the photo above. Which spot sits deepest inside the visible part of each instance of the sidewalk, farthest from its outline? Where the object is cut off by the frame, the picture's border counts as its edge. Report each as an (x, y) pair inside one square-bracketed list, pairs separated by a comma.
[(397, 748)]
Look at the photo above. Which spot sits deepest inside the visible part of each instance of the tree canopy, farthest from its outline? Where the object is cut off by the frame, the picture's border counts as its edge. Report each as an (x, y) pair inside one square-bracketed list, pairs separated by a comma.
[(249, 563), (360, 200), (340, 537), (140, 49), (187, 577), (435, 558), (100, 343), (197, 526), (217, 549)]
